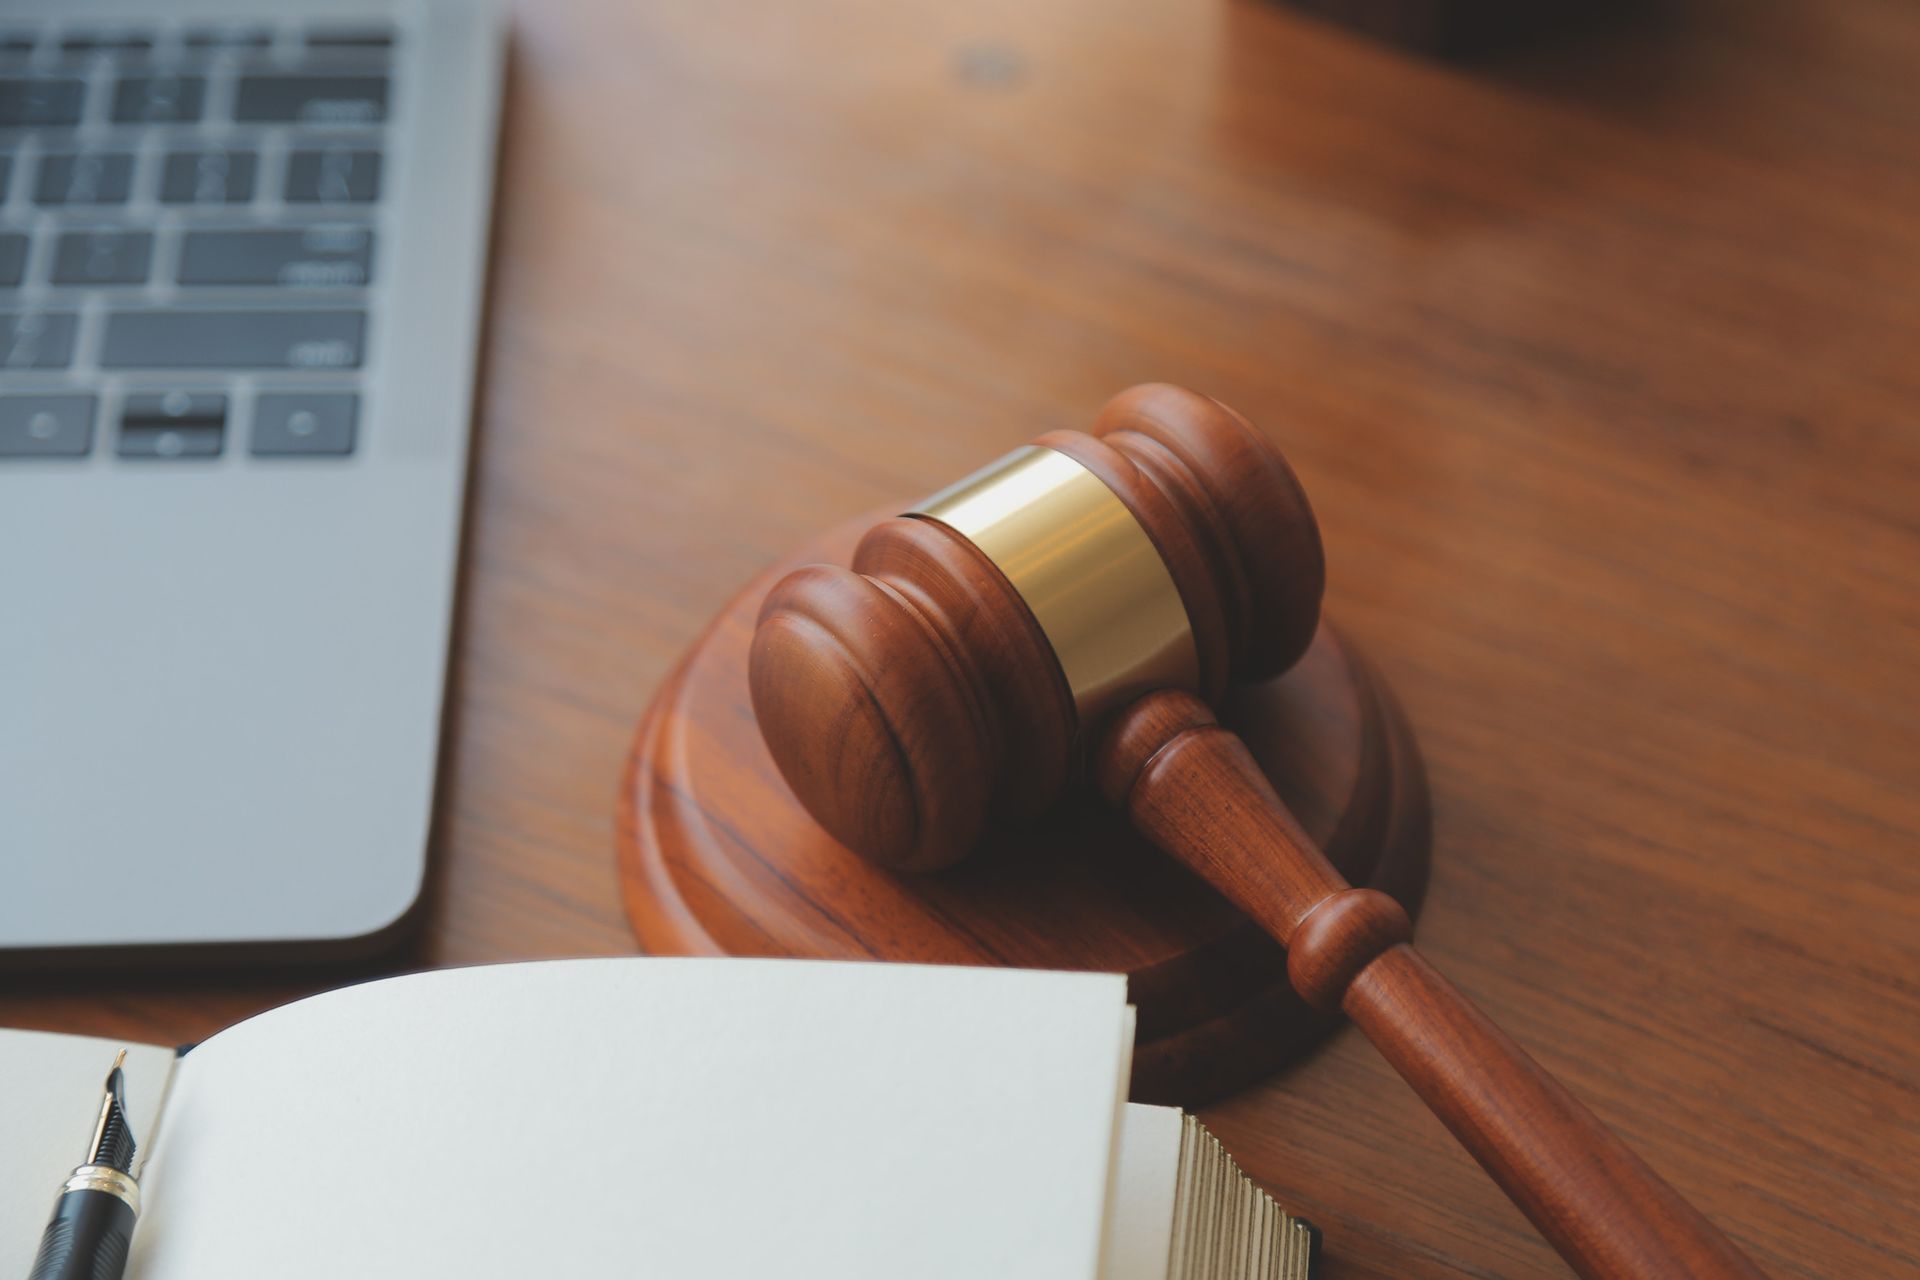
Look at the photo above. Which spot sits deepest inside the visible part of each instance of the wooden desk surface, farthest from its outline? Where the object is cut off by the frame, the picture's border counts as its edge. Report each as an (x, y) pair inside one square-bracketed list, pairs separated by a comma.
[(1600, 368)]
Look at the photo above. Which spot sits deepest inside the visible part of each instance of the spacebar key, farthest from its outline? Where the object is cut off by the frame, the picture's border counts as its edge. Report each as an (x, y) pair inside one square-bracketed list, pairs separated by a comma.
[(234, 339)]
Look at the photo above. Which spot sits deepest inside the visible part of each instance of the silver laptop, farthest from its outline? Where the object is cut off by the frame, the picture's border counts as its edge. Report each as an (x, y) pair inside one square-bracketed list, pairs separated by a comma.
[(241, 264)]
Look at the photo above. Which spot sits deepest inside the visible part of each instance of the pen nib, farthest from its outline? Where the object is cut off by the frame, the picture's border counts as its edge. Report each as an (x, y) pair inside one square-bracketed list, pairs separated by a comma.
[(113, 1143)]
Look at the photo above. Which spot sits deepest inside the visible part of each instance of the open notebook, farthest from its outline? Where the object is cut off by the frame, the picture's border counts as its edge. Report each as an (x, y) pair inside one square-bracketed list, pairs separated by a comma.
[(663, 1117)]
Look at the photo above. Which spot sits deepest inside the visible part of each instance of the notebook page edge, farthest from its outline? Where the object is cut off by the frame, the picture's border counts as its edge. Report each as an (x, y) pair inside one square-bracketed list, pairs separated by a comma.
[(1139, 1235)]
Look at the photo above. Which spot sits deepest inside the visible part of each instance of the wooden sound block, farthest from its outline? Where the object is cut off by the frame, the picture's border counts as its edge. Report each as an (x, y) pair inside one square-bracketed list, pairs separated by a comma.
[(718, 858)]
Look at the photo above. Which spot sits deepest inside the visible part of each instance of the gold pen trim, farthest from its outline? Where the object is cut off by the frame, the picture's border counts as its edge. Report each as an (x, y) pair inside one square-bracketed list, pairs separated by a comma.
[(100, 1177)]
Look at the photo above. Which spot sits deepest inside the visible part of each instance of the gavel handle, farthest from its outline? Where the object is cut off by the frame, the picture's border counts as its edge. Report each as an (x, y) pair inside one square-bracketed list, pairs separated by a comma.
[(1194, 789)]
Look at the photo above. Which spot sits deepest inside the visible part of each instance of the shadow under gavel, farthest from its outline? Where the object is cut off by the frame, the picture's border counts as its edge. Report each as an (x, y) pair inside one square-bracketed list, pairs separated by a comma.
[(1086, 598)]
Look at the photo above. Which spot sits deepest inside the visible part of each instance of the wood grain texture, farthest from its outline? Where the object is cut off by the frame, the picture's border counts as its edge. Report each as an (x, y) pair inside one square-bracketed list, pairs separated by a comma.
[(913, 696), (910, 698), (718, 857), (1598, 366), (1194, 788)]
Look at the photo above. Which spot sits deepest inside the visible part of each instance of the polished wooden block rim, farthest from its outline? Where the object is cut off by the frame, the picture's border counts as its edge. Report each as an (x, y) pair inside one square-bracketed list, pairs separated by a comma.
[(717, 858)]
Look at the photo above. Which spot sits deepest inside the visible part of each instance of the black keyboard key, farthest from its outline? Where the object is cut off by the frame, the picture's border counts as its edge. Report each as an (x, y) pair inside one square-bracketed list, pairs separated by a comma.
[(103, 257), (337, 175), (46, 426), (6, 174), (173, 424), (159, 99), (234, 339), (174, 409), (316, 258), (13, 258), (350, 38), (84, 177), (314, 99), (167, 443), (213, 176), (118, 42), (307, 424), (40, 102), (210, 38), (170, 442), (36, 339)]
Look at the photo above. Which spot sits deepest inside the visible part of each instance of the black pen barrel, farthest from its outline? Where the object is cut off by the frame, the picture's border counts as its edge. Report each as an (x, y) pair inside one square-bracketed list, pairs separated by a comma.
[(87, 1237)]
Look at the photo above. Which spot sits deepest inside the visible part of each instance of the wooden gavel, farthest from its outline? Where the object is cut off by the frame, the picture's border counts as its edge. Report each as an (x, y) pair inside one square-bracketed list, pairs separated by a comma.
[(1086, 597)]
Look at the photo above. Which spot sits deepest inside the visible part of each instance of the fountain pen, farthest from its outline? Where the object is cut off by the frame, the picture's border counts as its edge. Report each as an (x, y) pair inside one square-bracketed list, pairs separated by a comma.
[(92, 1222)]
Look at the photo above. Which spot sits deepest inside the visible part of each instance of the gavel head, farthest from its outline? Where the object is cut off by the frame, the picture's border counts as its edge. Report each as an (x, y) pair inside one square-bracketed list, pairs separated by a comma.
[(958, 670)]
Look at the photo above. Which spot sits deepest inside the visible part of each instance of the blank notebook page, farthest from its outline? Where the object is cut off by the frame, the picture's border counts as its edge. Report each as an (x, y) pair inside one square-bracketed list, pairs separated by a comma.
[(663, 1117)]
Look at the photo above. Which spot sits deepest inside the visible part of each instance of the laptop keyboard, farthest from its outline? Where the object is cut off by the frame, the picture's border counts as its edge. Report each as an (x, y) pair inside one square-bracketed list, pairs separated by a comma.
[(190, 220)]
